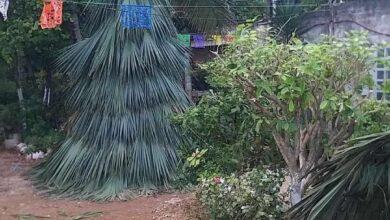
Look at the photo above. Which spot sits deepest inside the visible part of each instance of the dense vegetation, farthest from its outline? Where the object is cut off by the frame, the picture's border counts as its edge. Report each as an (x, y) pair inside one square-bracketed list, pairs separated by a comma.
[(26, 57), (268, 95), (278, 109)]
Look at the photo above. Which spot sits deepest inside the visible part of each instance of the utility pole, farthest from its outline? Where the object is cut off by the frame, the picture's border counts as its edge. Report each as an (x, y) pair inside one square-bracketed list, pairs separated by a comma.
[(188, 83), (270, 8), (332, 17)]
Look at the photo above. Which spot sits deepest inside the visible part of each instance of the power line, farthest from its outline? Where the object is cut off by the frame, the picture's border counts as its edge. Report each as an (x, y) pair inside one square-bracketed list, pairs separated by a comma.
[(100, 4), (198, 6), (215, 19)]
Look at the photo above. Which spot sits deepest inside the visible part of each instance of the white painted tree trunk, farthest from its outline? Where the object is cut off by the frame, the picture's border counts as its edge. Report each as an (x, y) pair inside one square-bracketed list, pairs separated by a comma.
[(295, 189)]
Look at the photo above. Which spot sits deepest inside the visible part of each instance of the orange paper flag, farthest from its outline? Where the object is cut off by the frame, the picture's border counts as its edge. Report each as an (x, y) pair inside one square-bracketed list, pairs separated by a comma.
[(51, 16)]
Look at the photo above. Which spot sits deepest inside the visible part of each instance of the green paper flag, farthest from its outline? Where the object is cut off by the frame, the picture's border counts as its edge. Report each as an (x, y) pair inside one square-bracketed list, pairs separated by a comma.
[(184, 39)]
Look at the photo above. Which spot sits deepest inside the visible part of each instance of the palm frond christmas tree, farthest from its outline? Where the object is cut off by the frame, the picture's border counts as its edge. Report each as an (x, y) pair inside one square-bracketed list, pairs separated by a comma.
[(126, 83)]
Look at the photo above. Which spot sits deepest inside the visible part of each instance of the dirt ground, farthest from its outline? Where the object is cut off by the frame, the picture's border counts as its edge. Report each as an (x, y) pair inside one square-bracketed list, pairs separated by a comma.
[(18, 200)]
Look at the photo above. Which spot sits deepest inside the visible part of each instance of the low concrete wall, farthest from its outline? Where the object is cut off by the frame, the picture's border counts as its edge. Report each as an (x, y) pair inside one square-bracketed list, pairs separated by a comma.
[(366, 15)]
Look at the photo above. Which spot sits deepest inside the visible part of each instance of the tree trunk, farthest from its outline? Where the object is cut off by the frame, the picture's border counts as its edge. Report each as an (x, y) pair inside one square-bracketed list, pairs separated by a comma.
[(75, 24), (47, 91), (188, 84), (19, 76), (296, 189)]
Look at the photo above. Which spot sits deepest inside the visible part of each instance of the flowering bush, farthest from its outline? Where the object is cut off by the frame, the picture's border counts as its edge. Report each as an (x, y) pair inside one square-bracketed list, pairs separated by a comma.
[(253, 195)]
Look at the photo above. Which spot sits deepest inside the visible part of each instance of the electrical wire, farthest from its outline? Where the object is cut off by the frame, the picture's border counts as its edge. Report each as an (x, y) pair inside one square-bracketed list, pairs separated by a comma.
[(215, 19), (199, 6), (181, 17)]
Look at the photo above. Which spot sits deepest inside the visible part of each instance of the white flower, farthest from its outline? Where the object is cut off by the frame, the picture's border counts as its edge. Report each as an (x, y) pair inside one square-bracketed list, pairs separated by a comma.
[(245, 207)]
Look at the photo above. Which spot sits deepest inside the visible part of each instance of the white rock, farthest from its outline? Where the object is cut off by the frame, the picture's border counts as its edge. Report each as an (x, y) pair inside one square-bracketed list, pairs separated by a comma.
[(22, 147), (35, 156), (38, 155)]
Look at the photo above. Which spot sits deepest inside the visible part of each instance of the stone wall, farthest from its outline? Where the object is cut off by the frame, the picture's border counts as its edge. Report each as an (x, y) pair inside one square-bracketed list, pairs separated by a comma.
[(366, 15)]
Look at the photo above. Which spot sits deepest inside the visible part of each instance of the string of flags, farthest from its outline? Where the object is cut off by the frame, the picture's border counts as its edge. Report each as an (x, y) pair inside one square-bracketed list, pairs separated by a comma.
[(201, 41), (131, 17)]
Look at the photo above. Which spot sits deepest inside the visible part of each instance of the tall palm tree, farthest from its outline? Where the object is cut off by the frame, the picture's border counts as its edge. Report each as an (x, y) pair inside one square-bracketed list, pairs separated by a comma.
[(353, 185), (126, 83)]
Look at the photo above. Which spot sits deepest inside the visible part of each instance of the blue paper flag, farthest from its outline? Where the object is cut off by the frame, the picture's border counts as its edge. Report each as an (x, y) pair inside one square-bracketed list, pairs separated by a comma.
[(199, 41), (136, 16)]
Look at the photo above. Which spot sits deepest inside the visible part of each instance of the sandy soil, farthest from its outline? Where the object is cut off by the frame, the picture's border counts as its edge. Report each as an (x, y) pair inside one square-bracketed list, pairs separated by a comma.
[(18, 200)]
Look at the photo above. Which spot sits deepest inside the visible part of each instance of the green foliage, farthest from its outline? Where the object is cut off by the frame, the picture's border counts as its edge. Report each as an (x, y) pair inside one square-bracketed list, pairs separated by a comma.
[(289, 79), (44, 140), (26, 52), (9, 107), (373, 117), (196, 157), (21, 32), (249, 9), (43, 122), (40, 134), (289, 13), (252, 195), (202, 15), (224, 125), (306, 95), (353, 184)]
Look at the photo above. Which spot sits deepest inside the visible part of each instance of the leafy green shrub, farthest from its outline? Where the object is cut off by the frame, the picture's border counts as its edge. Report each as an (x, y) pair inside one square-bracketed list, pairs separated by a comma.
[(44, 123), (253, 195), (42, 142), (223, 126), (307, 94), (374, 118)]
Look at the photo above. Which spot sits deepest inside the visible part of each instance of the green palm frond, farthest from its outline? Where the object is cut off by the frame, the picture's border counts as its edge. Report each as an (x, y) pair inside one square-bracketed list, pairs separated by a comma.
[(126, 84), (353, 185), (288, 15), (205, 15)]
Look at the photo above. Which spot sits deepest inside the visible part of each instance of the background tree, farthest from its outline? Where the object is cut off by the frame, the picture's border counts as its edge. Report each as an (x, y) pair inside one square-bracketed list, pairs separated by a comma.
[(250, 9), (25, 60), (287, 14), (307, 94)]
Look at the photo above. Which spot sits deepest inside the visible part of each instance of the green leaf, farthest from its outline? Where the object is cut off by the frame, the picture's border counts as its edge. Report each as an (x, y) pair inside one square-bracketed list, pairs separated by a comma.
[(285, 90), (324, 104), (291, 106), (259, 123)]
